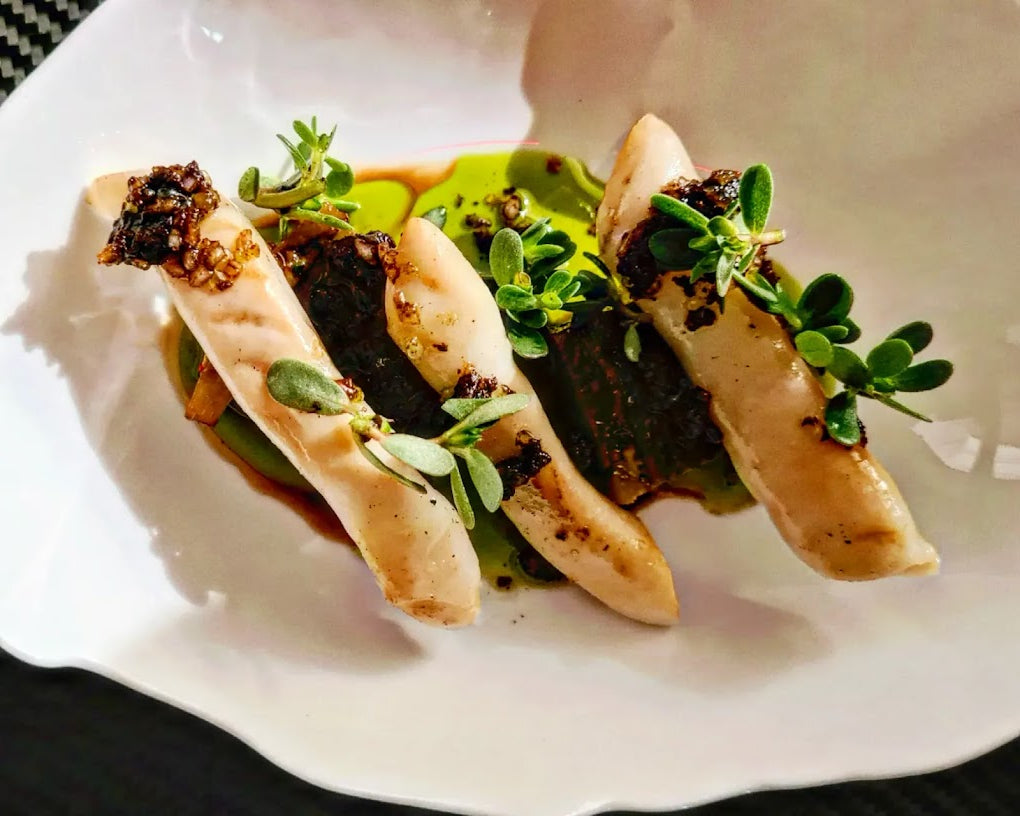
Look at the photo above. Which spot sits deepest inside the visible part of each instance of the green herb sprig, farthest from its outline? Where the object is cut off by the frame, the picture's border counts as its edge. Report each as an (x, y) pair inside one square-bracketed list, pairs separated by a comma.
[(305, 388), (317, 180), (818, 321), (725, 245), (886, 370), (534, 289)]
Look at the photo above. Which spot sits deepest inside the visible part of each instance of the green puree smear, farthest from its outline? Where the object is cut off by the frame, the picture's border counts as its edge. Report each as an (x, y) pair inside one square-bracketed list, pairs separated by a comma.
[(476, 188)]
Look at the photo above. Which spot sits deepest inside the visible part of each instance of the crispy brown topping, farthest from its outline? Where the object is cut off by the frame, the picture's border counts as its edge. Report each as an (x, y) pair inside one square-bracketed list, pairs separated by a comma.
[(160, 223), (472, 385), (520, 469), (710, 197)]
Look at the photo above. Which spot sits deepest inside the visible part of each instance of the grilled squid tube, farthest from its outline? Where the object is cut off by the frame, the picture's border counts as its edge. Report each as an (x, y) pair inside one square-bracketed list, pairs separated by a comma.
[(247, 317), (837, 508), (440, 312)]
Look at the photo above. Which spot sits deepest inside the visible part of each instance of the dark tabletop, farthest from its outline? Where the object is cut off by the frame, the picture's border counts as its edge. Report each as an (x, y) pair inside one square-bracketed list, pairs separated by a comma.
[(74, 743)]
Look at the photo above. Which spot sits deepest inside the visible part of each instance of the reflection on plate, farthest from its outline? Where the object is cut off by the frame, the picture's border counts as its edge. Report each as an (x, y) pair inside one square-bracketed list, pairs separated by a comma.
[(132, 549)]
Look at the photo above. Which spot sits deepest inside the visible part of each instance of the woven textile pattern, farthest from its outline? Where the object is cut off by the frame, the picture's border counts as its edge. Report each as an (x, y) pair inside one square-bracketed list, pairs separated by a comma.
[(29, 30)]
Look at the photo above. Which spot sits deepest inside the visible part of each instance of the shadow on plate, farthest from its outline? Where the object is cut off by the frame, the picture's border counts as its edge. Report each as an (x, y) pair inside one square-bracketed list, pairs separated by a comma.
[(265, 585)]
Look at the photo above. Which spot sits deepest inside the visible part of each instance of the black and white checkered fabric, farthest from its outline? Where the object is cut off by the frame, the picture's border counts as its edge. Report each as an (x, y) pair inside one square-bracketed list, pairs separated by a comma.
[(29, 30)]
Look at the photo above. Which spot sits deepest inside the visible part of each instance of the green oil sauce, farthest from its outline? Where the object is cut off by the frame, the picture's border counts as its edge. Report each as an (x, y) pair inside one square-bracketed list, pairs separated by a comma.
[(474, 186)]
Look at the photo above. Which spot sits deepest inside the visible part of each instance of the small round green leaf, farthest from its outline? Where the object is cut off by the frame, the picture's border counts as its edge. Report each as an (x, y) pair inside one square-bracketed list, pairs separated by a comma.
[(421, 454), (814, 347), (847, 367), (826, 300), (632, 343), (841, 419), (527, 342), (303, 387), (756, 197), (889, 358), (917, 334), (684, 213), (339, 180), (248, 186), (506, 256), (924, 376), (513, 298), (485, 478)]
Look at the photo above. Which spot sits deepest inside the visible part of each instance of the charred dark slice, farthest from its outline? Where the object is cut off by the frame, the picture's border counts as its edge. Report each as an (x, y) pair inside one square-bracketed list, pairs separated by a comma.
[(631, 428), (341, 286), (710, 197), (159, 225)]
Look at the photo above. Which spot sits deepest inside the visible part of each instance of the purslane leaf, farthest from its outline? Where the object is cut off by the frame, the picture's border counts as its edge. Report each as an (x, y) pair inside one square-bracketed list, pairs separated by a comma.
[(485, 477), (841, 419), (671, 248), (379, 464), (495, 408), (461, 500), (889, 358), (527, 342), (756, 197), (303, 387), (513, 298), (682, 212), (924, 376), (421, 454), (918, 335), (814, 347), (847, 367), (506, 256)]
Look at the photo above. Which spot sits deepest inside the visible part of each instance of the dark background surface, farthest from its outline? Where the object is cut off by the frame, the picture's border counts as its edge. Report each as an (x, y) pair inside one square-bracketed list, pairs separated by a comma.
[(74, 743)]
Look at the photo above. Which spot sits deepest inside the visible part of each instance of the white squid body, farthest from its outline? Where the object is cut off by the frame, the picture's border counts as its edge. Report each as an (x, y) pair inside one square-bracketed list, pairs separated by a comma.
[(837, 508), (441, 313), (415, 544)]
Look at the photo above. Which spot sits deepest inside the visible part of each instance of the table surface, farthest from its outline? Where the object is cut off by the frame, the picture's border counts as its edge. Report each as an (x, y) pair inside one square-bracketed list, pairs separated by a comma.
[(72, 742)]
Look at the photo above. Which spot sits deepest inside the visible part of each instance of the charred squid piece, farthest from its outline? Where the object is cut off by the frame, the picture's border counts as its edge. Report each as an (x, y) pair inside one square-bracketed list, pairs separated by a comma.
[(442, 315), (836, 506), (234, 297)]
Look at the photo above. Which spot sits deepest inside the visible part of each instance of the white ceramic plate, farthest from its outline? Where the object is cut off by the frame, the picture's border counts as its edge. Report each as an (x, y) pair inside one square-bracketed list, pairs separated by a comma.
[(130, 548)]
